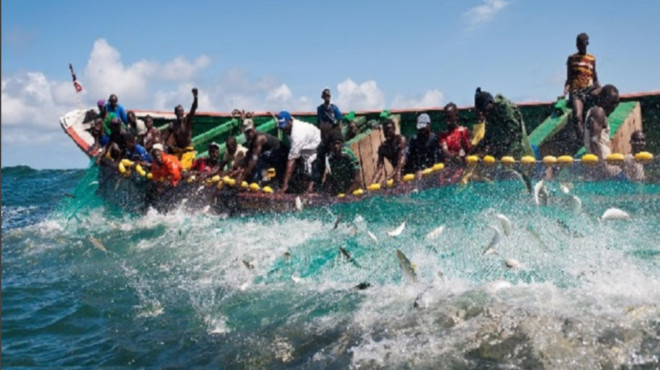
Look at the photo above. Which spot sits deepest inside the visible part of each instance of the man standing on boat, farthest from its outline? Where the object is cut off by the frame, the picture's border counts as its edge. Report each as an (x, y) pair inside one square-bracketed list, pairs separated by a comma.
[(505, 130), (165, 167), (305, 139), (178, 138), (264, 151), (394, 150), (113, 108), (455, 141), (327, 112), (581, 86), (423, 148)]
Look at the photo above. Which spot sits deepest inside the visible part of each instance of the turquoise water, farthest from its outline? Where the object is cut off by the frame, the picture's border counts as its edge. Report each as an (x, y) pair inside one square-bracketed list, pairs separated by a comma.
[(189, 289)]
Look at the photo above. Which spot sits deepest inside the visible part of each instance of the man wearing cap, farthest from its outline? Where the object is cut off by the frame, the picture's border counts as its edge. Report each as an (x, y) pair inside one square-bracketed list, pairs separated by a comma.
[(178, 138), (234, 156), (343, 166), (394, 150), (165, 167), (505, 130), (264, 151), (304, 139), (208, 166), (423, 148), (581, 85)]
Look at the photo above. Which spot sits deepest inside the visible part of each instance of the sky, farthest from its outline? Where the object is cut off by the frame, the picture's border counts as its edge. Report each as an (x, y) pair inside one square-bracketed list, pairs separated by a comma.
[(279, 55)]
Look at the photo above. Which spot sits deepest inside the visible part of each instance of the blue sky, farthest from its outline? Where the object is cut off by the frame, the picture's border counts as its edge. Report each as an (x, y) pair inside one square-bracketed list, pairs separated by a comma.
[(266, 55)]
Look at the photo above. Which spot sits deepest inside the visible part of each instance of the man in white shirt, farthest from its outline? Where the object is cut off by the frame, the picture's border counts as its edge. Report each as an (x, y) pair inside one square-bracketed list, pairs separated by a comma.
[(305, 139)]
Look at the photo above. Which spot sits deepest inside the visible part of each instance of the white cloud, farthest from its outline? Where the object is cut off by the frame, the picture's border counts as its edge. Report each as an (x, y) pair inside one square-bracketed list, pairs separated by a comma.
[(180, 69), (431, 99), (365, 96), (483, 13)]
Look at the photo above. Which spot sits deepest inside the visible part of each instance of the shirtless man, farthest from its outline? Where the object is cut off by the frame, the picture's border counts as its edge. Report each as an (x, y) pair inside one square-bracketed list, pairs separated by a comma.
[(178, 138), (597, 129), (393, 149), (152, 136), (264, 151)]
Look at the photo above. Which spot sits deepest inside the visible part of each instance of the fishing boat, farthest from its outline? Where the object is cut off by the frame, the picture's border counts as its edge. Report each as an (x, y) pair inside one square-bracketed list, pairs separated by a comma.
[(546, 122)]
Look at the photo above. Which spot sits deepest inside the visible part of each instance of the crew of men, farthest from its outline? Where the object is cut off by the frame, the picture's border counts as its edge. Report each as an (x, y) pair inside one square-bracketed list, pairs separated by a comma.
[(314, 158)]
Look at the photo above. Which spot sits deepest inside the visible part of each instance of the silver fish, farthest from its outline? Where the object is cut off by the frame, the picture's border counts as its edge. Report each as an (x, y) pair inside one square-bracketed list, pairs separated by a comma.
[(540, 194), (398, 230), (615, 214), (497, 239), (406, 266), (506, 223), (97, 243), (435, 232)]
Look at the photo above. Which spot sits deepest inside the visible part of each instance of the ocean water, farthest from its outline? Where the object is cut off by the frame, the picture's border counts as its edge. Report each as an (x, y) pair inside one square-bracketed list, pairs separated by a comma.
[(274, 291)]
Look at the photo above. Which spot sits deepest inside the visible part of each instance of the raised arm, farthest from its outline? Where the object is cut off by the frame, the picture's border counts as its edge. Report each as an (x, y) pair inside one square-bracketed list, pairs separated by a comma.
[(193, 108)]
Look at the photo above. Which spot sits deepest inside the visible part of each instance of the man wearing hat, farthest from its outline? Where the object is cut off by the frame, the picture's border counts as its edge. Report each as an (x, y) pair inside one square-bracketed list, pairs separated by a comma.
[(343, 172), (423, 148), (264, 151), (505, 130), (208, 166), (305, 139), (165, 167)]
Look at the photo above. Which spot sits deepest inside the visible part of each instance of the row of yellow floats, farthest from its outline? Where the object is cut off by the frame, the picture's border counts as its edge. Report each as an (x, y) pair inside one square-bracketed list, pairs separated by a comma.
[(564, 160)]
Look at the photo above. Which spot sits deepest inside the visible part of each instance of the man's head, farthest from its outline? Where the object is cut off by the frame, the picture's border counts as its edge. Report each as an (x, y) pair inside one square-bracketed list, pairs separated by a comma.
[(248, 129), (231, 145), (157, 153), (131, 117), (179, 112), (483, 101), (389, 130), (112, 100), (451, 115), (97, 127), (149, 122), (325, 95), (129, 141), (637, 142), (423, 125), (581, 43), (608, 99), (214, 150), (336, 141), (284, 122)]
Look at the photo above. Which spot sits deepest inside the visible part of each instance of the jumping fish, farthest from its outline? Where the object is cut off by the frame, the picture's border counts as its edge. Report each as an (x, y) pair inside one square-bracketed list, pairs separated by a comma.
[(506, 223), (577, 203), (540, 194), (512, 263), (407, 268), (337, 222), (248, 264), (398, 230), (372, 236), (97, 243), (435, 232), (615, 214), (299, 204), (497, 239), (348, 256), (296, 279), (564, 188)]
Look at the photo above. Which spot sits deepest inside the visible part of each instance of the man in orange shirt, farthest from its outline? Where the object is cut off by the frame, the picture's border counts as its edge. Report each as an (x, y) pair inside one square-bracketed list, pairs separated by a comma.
[(165, 166)]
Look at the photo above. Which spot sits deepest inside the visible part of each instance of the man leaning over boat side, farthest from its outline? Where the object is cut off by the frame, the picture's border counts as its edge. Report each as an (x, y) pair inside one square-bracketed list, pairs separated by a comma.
[(305, 139), (208, 166), (234, 155), (423, 148), (136, 126), (178, 138), (394, 150), (581, 87), (505, 130), (343, 166), (152, 136), (264, 151), (633, 169), (116, 144), (134, 151), (455, 141), (597, 130), (165, 167)]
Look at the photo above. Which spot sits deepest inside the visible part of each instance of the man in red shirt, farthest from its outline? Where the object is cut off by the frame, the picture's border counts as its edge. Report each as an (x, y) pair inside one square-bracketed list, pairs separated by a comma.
[(455, 141), (165, 166)]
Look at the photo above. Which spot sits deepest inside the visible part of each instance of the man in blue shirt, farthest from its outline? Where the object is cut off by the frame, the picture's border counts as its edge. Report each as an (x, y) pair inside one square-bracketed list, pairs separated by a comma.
[(134, 151), (327, 112), (113, 108)]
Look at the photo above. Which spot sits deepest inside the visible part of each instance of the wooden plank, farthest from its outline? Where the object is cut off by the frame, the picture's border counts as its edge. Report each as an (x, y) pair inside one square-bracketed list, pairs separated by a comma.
[(366, 159)]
